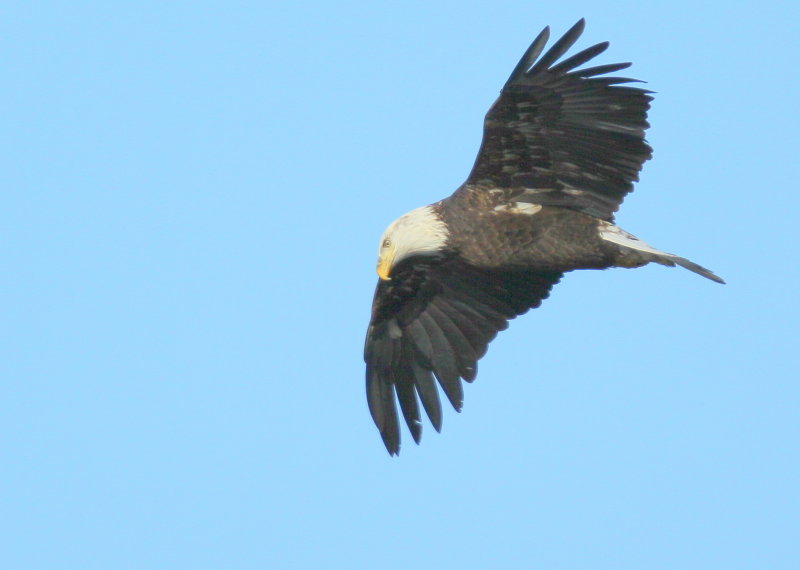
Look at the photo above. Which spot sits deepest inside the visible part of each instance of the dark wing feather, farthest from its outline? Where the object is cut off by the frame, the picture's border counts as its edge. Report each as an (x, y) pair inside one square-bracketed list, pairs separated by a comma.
[(561, 136), (432, 322)]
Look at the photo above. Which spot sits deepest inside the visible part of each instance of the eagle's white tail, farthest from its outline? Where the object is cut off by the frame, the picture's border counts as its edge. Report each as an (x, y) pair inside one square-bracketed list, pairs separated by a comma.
[(648, 253)]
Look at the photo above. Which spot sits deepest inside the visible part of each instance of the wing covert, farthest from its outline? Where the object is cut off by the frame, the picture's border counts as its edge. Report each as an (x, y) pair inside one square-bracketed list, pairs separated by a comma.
[(431, 324), (562, 136)]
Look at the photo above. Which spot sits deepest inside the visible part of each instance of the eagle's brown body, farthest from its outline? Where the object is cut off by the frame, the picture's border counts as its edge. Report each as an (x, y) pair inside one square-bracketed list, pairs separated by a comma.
[(549, 239)]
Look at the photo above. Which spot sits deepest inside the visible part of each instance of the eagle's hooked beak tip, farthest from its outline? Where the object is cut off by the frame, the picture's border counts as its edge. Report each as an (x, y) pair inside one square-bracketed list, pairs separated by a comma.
[(383, 269)]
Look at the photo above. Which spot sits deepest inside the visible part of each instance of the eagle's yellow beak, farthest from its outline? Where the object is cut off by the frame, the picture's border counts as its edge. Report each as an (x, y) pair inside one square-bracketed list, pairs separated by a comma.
[(385, 265)]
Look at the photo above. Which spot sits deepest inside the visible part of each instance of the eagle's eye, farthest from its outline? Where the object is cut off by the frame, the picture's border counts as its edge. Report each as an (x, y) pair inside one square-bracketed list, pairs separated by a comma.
[(386, 243)]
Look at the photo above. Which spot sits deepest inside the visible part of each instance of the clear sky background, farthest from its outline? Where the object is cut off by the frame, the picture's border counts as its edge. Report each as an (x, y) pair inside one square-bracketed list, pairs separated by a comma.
[(193, 194)]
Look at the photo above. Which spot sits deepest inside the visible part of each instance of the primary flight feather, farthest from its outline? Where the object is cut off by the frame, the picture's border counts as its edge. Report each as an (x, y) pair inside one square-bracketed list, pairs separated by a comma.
[(561, 148)]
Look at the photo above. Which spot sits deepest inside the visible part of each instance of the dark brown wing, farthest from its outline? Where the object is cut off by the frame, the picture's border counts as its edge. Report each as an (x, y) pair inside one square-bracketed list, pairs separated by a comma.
[(562, 136), (434, 319)]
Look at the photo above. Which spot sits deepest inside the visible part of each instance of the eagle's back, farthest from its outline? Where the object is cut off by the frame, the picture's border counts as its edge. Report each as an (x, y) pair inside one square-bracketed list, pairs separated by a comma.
[(488, 231)]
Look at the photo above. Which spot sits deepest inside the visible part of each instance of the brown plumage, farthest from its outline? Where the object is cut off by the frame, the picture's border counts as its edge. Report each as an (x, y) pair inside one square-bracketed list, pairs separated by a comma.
[(562, 146)]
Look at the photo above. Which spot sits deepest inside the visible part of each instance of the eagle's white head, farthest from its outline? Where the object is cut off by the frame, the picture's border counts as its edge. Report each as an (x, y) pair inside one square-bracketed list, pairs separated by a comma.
[(419, 232)]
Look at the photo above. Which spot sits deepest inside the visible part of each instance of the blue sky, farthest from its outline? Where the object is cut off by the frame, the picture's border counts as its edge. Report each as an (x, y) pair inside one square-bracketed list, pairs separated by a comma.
[(193, 195)]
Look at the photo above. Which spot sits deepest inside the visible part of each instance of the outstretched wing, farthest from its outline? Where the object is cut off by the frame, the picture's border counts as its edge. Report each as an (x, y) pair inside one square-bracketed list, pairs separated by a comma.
[(435, 320), (563, 136)]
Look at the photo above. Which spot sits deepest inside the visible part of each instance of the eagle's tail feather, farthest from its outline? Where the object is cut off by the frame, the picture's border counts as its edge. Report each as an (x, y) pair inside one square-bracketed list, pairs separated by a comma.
[(670, 259), (646, 253)]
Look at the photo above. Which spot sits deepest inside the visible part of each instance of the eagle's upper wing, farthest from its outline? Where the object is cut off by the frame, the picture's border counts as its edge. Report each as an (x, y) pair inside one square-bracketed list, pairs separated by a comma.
[(435, 320), (563, 136)]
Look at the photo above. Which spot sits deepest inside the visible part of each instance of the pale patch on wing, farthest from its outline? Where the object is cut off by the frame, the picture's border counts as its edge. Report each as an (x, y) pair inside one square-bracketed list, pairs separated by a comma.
[(394, 330), (534, 192), (617, 235), (519, 208)]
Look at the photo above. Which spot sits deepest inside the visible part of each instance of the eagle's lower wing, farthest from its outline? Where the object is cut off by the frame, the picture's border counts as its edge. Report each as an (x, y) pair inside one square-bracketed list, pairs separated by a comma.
[(435, 321), (562, 136)]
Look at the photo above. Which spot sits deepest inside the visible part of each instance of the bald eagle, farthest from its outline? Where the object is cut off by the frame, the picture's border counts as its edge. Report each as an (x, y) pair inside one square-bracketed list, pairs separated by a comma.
[(562, 146)]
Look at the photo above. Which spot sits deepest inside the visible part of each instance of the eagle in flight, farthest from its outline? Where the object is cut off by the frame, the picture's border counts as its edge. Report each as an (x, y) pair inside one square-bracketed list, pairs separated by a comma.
[(562, 146)]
